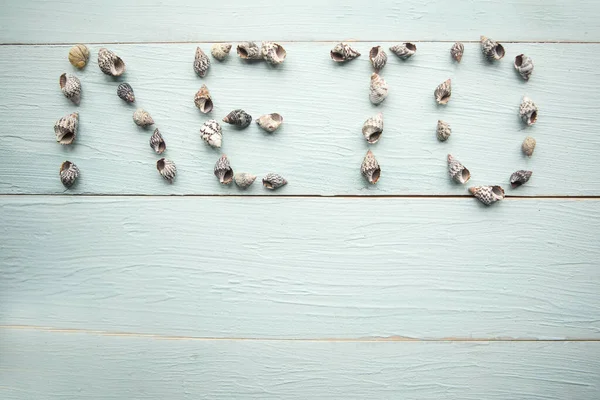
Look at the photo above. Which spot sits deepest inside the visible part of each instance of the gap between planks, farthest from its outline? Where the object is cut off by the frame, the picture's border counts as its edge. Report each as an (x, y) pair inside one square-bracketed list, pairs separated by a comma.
[(291, 196)]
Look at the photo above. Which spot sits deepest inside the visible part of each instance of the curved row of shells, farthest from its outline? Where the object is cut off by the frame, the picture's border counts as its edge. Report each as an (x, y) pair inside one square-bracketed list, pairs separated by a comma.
[(225, 175)]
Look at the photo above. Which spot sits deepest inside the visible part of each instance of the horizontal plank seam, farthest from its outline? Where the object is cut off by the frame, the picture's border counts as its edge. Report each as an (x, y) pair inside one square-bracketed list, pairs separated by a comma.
[(301, 41), (341, 196)]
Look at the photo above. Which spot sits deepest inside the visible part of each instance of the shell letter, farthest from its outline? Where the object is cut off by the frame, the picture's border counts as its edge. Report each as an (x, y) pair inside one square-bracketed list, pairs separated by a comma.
[(342, 52), (457, 50), (211, 133), (443, 92), (487, 194), (443, 131), (457, 171), (528, 111), (377, 57), (370, 168), (273, 53), (167, 169), (524, 65), (273, 181), (110, 63), (220, 50), (491, 49), (79, 55), (142, 118), (373, 128), (528, 146), (239, 118), (71, 87), (249, 51), (404, 50), (157, 142), (201, 63), (68, 173), (244, 179), (203, 101), (125, 92), (520, 177), (223, 170), (270, 122), (378, 90), (65, 128)]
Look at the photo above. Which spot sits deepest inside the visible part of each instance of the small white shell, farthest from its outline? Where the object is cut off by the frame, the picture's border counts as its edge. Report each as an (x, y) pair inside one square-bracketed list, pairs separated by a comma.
[(528, 146), (273, 53), (487, 194), (370, 168), (519, 177), (68, 173), (443, 131), (377, 57), (457, 171), (378, 90), (110, 63), (249, 51), (270, 122), (142, 118), (220, 51), (71, 87), (65, 128), (524, 65), (492, 50), (203, 101), (404, 50), (273, 181), (201, 63), (457, 50), (443, 92), (373, 128), (79, 55), (167, 169), (244, 179), (223, 170), (211, 133), (528, 111), (157, 142), (342, 52)]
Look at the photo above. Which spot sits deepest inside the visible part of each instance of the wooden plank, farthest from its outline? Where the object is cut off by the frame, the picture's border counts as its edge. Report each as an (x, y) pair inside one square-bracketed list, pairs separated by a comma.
[(37, 21), (302, 268), (320, 146), (45, 365)]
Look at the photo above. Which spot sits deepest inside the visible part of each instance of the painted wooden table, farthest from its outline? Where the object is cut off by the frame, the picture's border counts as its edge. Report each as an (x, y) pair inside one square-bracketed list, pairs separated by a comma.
[(127, 287)]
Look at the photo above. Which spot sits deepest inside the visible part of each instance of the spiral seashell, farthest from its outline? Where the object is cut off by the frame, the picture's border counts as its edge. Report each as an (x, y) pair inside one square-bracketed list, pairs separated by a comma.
[(373, 128), (378, 90), (273, 181), (249, 51), (524, 65), (273, 53), (270, 122), (239, 118), (457, 50), (342, 52), (487, 194), (443, 131), (201, 63), (125, 92), (79, 55), (220, 51), (528, 146), (110, 63), (443, 92), (142, 118), (492, 50), (65, 128), (167, 169), (404, 50), (223, 170), (244, 179), (377, 57), (457, 171), (519, 177), (68, 173), (157, 142), (528, 111), (370, 168), (211, 133), (203, 101), (71, 87)]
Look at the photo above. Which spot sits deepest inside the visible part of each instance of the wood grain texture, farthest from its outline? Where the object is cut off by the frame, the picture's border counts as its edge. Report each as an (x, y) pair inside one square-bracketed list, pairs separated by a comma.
[(38, 21), (302, 268), (320, 146)]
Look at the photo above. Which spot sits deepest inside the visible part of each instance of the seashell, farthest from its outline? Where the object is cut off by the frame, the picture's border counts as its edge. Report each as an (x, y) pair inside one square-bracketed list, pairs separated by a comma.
[(201, 63), (125, 92), (220, 50), (457, 50), (443, 92), (71, 87), (528, 111), (244, 179), (273, 181), (167, 169), (110, 63), (79, 55), (203, 101), (377, 57), (373, 128), (211, 133), (404, 50), (239, 118), (68, 173), (378, 90), (524, 65), (65, 128), (491, 49), (249, 51), (487, 194), (270, 122), (443, 131), (457, 171), (223, 170), (273, 53), (528, 146), (519, 177), (342, 52), (142, 118), (157, 142), (370, 168)]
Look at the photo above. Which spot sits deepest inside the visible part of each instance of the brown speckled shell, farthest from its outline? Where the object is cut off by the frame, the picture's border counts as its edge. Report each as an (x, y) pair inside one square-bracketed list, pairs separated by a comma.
[(457, 171), (157, 143), (457, 50), (167, 169), (273, 181), (110, 63), (68, 173), (377, 57), (65, 128), (520, 177), (203, 100), (223, 170), (404, 50), (201, 63), (71, 87), (487, 194), (491, 49), (343, 52), (443, 92), (370, 168)]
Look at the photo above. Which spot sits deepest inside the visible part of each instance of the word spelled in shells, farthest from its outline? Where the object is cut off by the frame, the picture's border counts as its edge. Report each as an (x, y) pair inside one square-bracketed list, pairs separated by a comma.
[(270, 122), (157, 142), (457, 50), (528, 146), (373, 128), (211, 133), (273, 53), (220, 50), (244, 179), (110, 63), (203, 101), (377, 57), (487, 194), (79, 55), (443, 131), (404, 50), (370, 168), (443, 92), (167, 169), (201, 63), (65, 128), (492, 50), (528, 111), (223, 170), (68, 173), (378, 90), (342, 52), (239, 118), (125, 92), (142, 118), (519, 177), (524, 65), (457, 171), (273, 181), (249, 51), (71, 87)]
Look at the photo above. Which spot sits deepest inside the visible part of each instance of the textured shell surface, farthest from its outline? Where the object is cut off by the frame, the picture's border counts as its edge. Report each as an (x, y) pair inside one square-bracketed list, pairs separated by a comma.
[(378, 90), (203, 101), (65, 128), (270, 122), (110, 63), (273, 53), (125, 92), (167, 169), (443, 131), (487, 194), (68, 173), (201, 63), (528, 146), (524, 65), (373, 128), (211, 133), (157, 142), (528, 111), (79, 55), (404, 50), (491, 49), (457, 50), (443, 92), (220, 51), (370, 168), (142, 118), (457, 171), (223, 170), (249, 51), (273, 181), (343, 52), (239, 118), (244, 179), (71, 87), (519, 177), (377, 57)]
